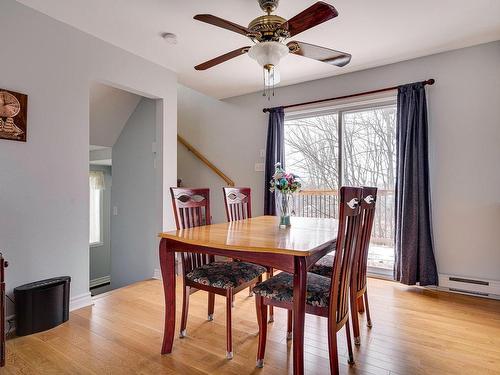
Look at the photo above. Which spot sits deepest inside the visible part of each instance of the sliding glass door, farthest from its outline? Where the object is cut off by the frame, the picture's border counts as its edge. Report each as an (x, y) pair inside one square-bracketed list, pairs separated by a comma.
[(369, 155), (352, 146)]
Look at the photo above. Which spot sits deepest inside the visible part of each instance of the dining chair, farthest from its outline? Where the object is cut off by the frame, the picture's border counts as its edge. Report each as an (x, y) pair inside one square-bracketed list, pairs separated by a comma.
[(325, 296), (358, 289), (201, 271), (238, 203)]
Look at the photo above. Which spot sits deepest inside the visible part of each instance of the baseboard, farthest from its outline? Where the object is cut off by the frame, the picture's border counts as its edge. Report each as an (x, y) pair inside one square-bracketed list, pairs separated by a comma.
[(157, 271), (100, 281), (470, 285), (82, 300), (157, 274)]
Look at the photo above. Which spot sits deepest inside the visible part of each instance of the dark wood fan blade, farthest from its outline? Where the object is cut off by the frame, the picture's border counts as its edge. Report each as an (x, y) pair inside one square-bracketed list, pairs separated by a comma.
[(312, 16), (220, 59), (228, 25), (326, 55)]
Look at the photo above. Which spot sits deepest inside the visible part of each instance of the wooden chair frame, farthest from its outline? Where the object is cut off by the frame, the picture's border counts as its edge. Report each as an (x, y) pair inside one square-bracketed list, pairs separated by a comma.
[(238, 203), (192, 208), (338, 310), (358, 289)]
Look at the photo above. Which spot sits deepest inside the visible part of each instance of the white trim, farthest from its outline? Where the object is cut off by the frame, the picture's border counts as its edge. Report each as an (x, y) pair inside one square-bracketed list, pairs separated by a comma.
[(157, 271), (342, 105), (82, 300), (157, 274), (492, 290), (383, 273), (100, 281)]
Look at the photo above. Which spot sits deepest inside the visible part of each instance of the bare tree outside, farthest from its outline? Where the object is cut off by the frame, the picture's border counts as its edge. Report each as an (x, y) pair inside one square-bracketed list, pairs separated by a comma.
[(368, 159), (312, 151)]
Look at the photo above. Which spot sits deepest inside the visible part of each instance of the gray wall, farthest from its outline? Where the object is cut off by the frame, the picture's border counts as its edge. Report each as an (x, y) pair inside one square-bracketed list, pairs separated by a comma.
[(134, 228), (212, 126), (100, 256), (464, 115), (44, 190)]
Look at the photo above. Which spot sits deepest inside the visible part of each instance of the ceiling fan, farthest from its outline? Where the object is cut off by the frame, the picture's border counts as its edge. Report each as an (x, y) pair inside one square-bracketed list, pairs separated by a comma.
[(270, 33)]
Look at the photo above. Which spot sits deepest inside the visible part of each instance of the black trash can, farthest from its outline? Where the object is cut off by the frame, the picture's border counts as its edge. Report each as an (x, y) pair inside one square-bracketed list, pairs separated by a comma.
[(41, 305)]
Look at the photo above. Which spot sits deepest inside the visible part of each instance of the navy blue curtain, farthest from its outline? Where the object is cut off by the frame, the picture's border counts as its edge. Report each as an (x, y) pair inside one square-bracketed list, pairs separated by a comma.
[(275, 152), (414, 261)]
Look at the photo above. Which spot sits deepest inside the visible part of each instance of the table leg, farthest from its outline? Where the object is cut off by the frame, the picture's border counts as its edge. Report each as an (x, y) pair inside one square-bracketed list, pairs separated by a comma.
[(167, 264), (299, 313)]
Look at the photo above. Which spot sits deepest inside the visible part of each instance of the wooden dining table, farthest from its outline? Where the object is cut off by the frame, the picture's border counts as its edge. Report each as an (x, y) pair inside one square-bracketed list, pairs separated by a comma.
[(259, 240)]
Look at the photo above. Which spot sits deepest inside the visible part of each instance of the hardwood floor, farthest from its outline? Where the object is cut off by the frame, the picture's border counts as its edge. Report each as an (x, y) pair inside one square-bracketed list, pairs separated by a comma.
[(415, 331)]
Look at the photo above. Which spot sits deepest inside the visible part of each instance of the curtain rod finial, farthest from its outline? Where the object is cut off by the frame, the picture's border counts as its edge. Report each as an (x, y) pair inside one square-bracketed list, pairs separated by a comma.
[(430, 81)]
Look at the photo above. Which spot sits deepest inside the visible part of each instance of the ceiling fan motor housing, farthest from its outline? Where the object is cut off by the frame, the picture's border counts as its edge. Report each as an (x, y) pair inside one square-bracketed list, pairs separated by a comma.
[(268, 6), (269, 28)]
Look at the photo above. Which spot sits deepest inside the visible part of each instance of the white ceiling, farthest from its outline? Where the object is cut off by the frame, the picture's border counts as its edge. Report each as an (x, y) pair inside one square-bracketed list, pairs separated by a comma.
[(110, 109), (374, 32)]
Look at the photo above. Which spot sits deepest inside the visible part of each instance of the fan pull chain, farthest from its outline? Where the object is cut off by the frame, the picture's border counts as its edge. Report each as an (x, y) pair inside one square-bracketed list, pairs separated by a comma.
[(264, 81), (270, 87)]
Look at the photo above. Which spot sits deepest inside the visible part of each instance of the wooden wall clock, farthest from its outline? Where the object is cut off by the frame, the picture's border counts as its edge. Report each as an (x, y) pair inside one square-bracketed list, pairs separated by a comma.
[(13, 115)]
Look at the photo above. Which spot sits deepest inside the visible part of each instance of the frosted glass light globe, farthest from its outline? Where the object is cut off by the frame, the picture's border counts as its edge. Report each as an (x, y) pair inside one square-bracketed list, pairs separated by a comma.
[(268, 53)]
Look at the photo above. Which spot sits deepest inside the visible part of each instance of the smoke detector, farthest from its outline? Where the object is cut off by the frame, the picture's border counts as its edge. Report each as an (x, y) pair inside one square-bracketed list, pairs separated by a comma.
[(170, 38)]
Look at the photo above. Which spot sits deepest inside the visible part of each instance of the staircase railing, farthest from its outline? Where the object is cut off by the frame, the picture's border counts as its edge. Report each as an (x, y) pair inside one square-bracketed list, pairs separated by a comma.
[(205, 161)]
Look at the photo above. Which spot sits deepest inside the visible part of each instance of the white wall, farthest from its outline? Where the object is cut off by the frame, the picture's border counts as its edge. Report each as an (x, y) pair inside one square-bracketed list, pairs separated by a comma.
[(44, 183), (212, 126), (100, 255), (110, 108), (464, 118), (134, 246)]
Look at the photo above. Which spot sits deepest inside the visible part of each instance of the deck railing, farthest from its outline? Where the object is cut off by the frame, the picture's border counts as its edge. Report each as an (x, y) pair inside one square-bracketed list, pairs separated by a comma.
[(324, 204)]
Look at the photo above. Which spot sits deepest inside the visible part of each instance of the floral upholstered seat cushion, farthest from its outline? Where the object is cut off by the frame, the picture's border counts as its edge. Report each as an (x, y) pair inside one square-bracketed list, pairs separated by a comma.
[(324, 266), (280, 288), (225, 274)]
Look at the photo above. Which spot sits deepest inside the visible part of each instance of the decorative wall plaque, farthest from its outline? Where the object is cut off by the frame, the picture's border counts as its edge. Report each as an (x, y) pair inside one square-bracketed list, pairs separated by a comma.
[(13, 115)]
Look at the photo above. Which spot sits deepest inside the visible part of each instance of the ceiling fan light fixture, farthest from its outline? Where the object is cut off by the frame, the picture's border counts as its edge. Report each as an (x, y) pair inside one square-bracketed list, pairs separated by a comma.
[(268, 53)]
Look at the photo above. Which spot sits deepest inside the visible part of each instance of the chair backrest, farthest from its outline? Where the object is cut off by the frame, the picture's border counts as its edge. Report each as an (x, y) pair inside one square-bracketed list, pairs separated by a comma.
[(191, 209), (238, 203), (368, 203), (345, 248)]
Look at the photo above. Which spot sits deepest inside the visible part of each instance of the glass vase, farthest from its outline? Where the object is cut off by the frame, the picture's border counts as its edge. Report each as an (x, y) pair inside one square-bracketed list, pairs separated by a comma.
[(284, 203)]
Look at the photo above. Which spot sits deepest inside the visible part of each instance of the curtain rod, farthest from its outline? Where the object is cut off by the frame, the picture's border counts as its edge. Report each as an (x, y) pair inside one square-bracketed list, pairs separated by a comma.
[(427, 82)]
